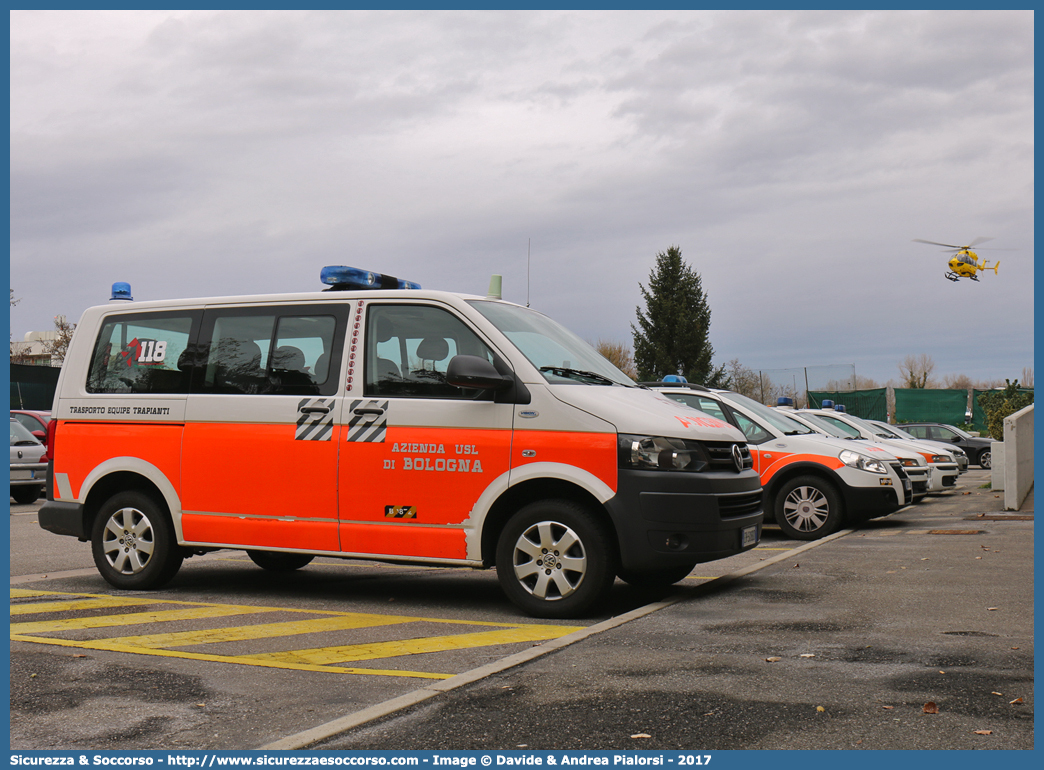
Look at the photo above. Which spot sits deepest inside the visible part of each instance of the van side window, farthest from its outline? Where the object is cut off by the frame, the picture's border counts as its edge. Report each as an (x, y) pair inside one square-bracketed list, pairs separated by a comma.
[(408, 348), (261, 351), (142, 353)]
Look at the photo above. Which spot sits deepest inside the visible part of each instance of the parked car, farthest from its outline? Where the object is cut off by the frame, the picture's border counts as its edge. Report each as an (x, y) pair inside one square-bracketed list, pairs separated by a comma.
[(895, 431), (28, 464), (942, 468), (978, 449), (915, 464), (813, 484), (34, 420)]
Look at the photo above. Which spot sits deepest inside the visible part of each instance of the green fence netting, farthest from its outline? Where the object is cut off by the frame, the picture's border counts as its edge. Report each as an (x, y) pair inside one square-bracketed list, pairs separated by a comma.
[(930, 405), (32, 387), (869, 404)]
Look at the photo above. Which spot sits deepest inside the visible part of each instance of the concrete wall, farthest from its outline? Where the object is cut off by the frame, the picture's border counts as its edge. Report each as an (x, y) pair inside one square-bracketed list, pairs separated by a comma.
[(1013, 459)]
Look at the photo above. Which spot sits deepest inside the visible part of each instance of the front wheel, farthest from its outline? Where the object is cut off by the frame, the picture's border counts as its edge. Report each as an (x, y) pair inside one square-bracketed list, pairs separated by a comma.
[(808, 508), (279, 561), (986, 459), (555, 559), (133, 542)]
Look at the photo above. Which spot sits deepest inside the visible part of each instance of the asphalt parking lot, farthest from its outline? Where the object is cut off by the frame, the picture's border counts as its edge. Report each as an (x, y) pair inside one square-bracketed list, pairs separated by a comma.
[(915, 632), (837, 644)]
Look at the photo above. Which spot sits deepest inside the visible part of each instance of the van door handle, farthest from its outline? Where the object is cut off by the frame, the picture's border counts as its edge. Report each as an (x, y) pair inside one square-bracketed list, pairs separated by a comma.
[(363, 410), (315, 410)]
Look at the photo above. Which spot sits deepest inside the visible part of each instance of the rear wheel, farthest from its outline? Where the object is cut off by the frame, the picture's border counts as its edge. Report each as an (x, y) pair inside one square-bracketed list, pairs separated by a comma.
[(808, 508), (26, 495), (655, 578), (133, 542), (986, 459), (277, 561), (555, 559)]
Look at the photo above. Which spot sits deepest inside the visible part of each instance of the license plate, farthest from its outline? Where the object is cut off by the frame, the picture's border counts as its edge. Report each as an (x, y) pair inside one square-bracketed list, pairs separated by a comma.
[(749, 536), (19, 475)]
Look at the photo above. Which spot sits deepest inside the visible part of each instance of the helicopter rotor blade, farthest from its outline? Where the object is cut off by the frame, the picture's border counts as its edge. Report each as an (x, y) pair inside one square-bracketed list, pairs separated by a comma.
[(977, 241), (936, 243)]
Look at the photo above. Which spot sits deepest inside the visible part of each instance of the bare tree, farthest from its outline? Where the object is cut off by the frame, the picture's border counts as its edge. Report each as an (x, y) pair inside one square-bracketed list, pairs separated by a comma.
[(957, 382), (59, 346), (619, 355), (1027, 377), (743, 380), (861, 383), (916, 371)]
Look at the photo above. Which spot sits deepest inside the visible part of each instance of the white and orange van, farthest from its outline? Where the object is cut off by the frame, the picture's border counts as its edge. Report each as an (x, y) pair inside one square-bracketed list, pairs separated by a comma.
[(375, 420)]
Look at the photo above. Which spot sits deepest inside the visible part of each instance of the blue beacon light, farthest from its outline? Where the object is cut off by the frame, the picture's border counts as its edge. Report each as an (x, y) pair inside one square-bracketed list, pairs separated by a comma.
[(121, 290), (674, 378), (342, 278)]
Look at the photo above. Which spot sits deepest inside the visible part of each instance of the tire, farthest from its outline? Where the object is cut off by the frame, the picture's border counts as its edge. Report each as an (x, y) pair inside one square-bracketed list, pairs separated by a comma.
[(555, 559), (26, 495), (657, 578), (808, 508), (986, 459), (134, 543), (277, 561)]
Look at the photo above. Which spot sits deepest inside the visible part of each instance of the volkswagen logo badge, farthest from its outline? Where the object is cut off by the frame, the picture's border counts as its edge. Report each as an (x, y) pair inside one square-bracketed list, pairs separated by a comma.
[(737, 458)]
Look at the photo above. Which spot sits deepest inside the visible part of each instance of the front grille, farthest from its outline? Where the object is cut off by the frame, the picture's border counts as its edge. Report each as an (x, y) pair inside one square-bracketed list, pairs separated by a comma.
[(899, 470), (719, 455), (949, 481), (734, 506)]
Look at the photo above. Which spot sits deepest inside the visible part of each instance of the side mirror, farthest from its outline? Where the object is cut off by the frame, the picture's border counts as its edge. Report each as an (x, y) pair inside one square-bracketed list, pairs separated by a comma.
[(476, 373), (40, 435)]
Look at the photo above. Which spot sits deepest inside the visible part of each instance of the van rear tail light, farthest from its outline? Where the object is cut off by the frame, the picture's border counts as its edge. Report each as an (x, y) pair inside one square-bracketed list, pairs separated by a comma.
[(52, 431)]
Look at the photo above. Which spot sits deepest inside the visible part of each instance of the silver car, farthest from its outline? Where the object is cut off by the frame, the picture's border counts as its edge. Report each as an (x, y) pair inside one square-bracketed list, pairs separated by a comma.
[(28, 464), (958, 454)]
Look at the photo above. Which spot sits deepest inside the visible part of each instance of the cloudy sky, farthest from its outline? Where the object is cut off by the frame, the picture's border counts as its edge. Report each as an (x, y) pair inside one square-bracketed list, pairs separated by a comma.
[(792, 156)]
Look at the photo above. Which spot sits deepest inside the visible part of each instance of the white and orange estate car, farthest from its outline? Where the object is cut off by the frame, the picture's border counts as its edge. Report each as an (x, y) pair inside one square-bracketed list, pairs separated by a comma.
[(814, 484), (376, 420)]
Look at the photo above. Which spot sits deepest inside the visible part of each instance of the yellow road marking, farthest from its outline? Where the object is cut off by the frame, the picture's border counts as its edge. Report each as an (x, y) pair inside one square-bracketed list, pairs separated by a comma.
[(260, 631), (133, 619), (78, 604), (318, 659), (356, 652), (100, 645)]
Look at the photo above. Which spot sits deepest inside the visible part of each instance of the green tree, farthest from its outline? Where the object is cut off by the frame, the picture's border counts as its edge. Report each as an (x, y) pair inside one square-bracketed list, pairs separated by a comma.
[(998, 404), (672, 336)]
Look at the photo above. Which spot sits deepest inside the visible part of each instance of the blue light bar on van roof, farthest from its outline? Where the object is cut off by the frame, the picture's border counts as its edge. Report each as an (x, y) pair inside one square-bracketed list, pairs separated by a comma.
[(341, 278), (674, 378), (828, 404), (784, 401), (840, 408), (121, 290)]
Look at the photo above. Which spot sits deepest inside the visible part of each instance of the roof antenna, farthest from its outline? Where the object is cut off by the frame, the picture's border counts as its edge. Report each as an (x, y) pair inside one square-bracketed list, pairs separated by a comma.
[(529, 249)]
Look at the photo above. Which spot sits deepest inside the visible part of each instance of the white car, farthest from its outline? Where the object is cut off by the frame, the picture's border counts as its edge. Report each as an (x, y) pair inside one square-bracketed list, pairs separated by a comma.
[(28, 464), (915, 465), (814, 484), (942, 466), (893, 431)]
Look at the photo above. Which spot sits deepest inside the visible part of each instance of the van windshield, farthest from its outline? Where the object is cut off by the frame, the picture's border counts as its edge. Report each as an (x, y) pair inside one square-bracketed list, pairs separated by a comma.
[(560, 355)]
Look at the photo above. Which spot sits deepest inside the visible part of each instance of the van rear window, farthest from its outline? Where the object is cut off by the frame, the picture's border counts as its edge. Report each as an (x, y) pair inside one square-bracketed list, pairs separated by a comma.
[(142, 353)]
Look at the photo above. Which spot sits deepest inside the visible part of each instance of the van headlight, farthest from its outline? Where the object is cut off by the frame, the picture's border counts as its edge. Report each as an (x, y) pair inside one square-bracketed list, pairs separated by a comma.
[(940, 459), (862, 462), (658, 453)]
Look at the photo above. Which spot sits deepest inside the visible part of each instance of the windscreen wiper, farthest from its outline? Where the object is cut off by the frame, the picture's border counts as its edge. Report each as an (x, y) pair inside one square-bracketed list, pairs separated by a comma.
[(577, 374)]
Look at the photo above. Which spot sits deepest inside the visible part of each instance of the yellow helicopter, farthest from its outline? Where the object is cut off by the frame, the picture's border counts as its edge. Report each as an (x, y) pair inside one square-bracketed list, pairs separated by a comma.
[(965, 262)]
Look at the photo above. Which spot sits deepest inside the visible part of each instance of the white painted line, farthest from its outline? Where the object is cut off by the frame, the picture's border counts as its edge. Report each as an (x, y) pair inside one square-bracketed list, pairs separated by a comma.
[(343, 724)]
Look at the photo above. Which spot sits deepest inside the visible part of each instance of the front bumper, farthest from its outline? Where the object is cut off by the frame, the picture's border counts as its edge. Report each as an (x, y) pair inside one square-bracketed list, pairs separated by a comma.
[(943, 477), (667, 519)]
